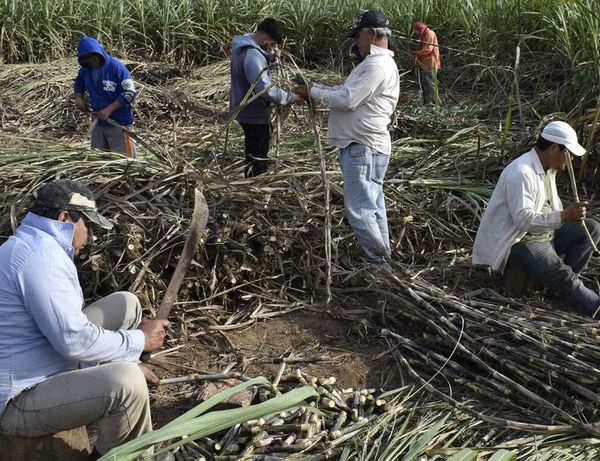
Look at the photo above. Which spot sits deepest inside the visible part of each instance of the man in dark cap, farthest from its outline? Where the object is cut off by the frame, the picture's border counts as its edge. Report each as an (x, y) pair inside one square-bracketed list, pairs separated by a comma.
[(45, 335), (251, 56), (360, 112)]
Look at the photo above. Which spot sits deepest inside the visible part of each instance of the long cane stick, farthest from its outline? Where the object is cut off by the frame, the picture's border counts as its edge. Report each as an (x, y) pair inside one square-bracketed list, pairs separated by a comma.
[(576, 196), (300, 79)]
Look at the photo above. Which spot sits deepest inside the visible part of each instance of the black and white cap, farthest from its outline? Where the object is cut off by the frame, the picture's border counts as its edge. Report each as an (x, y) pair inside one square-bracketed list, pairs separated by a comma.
[(367, 19), (70, 195)]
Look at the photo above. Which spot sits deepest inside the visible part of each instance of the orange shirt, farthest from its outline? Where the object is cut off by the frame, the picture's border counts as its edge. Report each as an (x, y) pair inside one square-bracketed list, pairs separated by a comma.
[(428, 52)]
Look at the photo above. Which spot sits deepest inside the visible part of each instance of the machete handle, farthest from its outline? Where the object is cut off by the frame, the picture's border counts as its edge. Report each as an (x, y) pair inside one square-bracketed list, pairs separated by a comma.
[(145, 357)]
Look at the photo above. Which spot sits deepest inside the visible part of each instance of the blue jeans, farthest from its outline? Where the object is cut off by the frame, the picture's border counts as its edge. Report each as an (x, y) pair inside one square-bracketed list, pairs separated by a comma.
[(542, 260), (364, 169)]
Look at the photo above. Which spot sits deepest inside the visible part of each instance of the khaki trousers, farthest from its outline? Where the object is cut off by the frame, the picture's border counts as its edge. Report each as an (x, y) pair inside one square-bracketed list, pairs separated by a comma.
[(113, 394)]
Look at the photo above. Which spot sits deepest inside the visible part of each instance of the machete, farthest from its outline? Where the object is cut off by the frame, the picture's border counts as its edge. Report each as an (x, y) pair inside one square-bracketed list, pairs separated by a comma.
[(197, 227)]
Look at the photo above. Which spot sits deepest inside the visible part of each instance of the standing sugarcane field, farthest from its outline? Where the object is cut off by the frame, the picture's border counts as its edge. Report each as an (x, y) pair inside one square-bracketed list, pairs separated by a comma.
[(299, 230)]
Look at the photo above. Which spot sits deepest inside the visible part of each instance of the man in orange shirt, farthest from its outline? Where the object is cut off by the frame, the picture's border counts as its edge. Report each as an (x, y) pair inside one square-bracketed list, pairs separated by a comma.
[(427, 56)]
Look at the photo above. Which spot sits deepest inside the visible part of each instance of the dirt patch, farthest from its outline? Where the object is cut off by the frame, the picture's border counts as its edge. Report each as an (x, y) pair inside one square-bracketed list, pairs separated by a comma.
[(356, 360), (308, 334)]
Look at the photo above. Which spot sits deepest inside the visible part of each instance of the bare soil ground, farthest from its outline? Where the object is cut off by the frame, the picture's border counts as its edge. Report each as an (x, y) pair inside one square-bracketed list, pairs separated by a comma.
[(356, 360)]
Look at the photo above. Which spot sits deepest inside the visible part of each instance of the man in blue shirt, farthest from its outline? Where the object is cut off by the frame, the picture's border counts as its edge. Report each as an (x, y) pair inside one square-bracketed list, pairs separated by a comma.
[(112, 92), (45, 335)]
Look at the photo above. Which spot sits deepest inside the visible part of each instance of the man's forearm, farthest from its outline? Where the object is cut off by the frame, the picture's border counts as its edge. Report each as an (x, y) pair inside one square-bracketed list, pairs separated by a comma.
[(115, 105)]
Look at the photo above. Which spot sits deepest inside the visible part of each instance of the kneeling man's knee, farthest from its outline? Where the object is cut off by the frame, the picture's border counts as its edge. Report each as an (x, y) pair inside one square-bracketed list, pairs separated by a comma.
[(127, 380)]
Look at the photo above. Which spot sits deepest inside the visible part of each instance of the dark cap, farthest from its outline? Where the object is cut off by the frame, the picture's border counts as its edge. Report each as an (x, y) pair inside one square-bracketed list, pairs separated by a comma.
[(368, 19), (68, 195), (272, 28)]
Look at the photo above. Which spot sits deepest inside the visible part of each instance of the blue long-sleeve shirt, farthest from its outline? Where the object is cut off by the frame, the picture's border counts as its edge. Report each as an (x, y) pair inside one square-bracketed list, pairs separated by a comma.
[(43, 331), (109, 82)]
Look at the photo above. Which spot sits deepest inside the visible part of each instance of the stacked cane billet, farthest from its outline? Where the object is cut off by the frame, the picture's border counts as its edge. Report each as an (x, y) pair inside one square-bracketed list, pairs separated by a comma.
[(341, 416), (528, 367)]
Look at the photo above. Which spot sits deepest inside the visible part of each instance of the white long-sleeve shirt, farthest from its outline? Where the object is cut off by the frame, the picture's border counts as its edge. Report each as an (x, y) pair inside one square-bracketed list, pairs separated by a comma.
[(361, 108), (515, 208)]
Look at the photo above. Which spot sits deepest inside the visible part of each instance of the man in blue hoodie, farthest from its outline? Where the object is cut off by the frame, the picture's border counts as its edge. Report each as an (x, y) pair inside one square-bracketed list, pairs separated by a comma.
[(250, 76), (45, 335), (112, 92)]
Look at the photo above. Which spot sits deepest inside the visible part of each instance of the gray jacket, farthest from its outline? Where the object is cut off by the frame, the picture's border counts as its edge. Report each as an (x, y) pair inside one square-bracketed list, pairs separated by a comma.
[(250, 65)]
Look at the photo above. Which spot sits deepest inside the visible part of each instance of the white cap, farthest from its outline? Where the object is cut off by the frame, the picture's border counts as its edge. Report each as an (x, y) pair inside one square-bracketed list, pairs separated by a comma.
[(562, 133)]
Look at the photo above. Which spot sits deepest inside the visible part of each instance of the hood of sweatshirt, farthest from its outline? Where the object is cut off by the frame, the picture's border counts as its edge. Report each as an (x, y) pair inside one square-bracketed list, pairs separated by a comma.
[(89, 45), (246, 40)]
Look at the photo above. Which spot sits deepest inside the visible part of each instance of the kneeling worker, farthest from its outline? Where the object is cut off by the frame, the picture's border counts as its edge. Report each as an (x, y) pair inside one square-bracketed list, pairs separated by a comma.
[(524, 223), (45, 334)]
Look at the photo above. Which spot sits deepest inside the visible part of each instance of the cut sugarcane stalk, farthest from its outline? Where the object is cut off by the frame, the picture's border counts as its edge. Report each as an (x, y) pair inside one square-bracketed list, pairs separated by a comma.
[(576, 196)]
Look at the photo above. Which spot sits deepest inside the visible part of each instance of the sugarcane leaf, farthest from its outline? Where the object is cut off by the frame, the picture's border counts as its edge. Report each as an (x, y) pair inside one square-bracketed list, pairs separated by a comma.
[(464, 455), (223, 421), (345, 456), (460, 132), (390, 447), (188, 429), (216, 399), (392, 392), (424, 440), (568, 456), (504, 455)]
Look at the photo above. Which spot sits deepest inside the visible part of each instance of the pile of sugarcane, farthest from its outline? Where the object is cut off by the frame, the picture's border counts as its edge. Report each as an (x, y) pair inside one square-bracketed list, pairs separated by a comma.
[(263, 254), (341, 415), (365, 424), (264, 235), (526, 365)]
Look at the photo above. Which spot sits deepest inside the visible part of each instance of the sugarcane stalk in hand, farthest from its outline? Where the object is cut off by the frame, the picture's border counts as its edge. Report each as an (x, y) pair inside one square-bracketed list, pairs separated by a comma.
[(576, 196)]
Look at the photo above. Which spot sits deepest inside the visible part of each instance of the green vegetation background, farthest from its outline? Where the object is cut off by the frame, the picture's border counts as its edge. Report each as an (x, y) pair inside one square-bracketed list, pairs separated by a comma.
[(559, 40)]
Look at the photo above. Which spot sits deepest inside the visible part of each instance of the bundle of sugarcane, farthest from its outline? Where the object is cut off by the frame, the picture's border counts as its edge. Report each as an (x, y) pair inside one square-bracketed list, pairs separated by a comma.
[(522, 366), (342, 415), (337, 419), (365, 424)]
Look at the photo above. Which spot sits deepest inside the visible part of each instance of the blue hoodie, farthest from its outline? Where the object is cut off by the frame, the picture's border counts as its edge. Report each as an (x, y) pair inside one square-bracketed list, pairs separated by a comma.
[(104, 85), (250, 65)]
